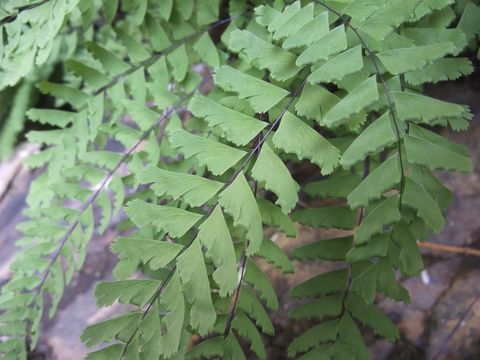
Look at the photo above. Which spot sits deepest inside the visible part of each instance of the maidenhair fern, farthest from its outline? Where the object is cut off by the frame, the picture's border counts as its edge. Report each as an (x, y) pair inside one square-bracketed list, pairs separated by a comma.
[(331, 83)]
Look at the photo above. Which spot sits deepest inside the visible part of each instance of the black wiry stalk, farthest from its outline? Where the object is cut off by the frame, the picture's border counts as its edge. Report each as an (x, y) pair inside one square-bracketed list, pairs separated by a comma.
[(157, 55), (361, 211), (55, 255), (231, 313), (13, 17), (388, 93), (393, 115), (226, 185), (243, 265)]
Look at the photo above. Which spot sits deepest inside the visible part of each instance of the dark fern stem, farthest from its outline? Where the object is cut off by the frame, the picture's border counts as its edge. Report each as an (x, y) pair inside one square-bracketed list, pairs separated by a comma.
[(13, 17), (252, 152)]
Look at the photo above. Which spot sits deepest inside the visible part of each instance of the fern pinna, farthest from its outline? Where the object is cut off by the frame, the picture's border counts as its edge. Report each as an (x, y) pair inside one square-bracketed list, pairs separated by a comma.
[(333, 83)]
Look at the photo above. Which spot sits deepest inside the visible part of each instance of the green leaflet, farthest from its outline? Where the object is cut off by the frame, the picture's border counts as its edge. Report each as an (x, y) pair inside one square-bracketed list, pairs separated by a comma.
[(357, 9), (340, 217), (321, 333), (411, 105), (398, 61), (136, 52), (359, 98), (141, 114), (136, 83), (337, 68), (173, 321), (265, 14), (388, 285), (216, 156), (158, 254), (249, 303), (274, 216), (373, 139), (178, 60), (158, 38), (331, 249), (337, 186), (261, 95), (75, 97), (249, 331), (207, 51), (331, 43), (270, 170), (309, 33), (213, 347), (440, 70), (111, 63), (382, 22), (92, 77), (427, 7), (282, 18), (424, 147), (422, 175), (377, 246), (327, 283), (264, 55), (109, 352), (426, 36), (383, 178), (286, 26), (137, 292), (411, 262), (294, 136), (383, 214), (215, 236), (351, 339), (315, 102), (226, 348), (234, 125), (119, 328), (118, 190), (238, 201), (273, 254), (58, 118), (192, 189), (172, 220), (330, 305), (193, 275), (417, 197), (364, 280), (469, 20), (260, 282), (321, 352)]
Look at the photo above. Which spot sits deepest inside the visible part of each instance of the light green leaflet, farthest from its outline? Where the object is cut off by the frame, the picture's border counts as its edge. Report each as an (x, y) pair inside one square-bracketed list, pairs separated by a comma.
[(216, 156), (338, 67), (294, 136), (234, 125), (261, 95), (278, 61), (192, 189), (270, 170), (172, 220), (238, 201)]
